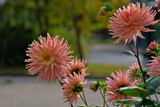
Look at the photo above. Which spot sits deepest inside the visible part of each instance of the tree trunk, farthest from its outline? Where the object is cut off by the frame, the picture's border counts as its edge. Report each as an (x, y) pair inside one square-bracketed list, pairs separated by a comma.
[(46, 2), (77, 31), (38, 17)]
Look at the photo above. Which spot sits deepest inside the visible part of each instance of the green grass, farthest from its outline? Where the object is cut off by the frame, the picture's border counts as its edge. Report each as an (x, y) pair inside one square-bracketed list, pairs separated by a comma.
[(102, 71), (94, 70)]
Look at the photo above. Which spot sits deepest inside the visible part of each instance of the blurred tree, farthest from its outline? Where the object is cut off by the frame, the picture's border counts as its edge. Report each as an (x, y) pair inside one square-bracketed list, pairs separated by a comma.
[(24, 20)]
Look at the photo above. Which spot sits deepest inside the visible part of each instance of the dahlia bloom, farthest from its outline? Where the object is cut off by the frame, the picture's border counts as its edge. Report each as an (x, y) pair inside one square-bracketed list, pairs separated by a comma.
[(158, 5), (152, 46), (72, 86), (154, 65), (77, 66), (127, 23), (113, 85), (133, 71), (48, 57)]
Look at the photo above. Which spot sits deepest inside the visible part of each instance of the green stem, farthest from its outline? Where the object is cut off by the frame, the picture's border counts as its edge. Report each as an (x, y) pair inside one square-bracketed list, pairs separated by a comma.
[(83, 100), (103, 96), (84, 97), (61, 83), (137, 56), (144, 80)]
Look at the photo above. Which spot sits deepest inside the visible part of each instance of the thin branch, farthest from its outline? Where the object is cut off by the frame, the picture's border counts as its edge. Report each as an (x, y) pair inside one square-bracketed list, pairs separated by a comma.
[(103, 96), (144, 80), (83, 100)]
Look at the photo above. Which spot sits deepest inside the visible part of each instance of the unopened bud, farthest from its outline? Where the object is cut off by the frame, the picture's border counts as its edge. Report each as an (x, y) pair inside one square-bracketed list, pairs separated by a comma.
[(102, 11), (152, 46), (94, 86)]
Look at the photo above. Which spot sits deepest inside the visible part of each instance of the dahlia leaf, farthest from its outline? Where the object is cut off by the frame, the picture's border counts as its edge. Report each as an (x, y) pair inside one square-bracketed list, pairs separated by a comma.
[(153, 84), (128, 101), (134, 91), (127, 52), (139, 104), (115, 105)]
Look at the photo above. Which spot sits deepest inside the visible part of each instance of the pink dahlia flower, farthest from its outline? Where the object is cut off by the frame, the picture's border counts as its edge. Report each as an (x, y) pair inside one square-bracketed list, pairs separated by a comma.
[(152, 46), (77, 66), (133, 71), (154, 65), (158, 5), (72, 86), (113, 85), (127, 23), (48, 57)]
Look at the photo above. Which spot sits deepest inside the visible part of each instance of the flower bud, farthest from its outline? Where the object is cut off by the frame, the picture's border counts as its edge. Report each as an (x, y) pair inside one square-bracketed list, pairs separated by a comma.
[(94, 86), (102, 11), (152, 46)]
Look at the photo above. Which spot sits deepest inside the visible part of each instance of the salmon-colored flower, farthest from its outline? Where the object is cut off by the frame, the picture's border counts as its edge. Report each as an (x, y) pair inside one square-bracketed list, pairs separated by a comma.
[(127, 23), (113, 85), (152, 46), (48, 57), (133, 72), (154, 65), (72, 86), (94, 86), (77, 66), (158, 5)]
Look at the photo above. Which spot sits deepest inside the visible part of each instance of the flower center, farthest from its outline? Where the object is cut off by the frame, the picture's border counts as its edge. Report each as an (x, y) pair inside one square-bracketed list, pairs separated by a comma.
[(76, 71), (78, 89), (47, 58)]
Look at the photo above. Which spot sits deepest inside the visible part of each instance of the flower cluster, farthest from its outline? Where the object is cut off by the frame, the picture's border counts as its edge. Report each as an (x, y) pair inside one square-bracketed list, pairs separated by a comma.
[(52, 60)]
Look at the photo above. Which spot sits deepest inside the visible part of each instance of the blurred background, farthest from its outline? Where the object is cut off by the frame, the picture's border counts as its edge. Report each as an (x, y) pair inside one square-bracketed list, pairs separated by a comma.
[(78, 22)]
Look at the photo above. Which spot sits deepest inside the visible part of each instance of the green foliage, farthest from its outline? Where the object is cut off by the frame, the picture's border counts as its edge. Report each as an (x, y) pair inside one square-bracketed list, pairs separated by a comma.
[(24, 20), (152, 84), (128, 101), (147, 89), (134, 91)]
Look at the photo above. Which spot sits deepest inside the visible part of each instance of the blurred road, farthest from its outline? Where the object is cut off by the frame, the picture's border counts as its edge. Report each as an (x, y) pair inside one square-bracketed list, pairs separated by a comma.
[(27, 92), (110, 54)]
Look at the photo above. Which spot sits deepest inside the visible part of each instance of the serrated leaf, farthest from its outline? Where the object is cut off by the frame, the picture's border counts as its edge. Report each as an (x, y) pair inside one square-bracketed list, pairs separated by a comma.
[(128, 101), (127, 52), (135, 91), (152, 84)]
